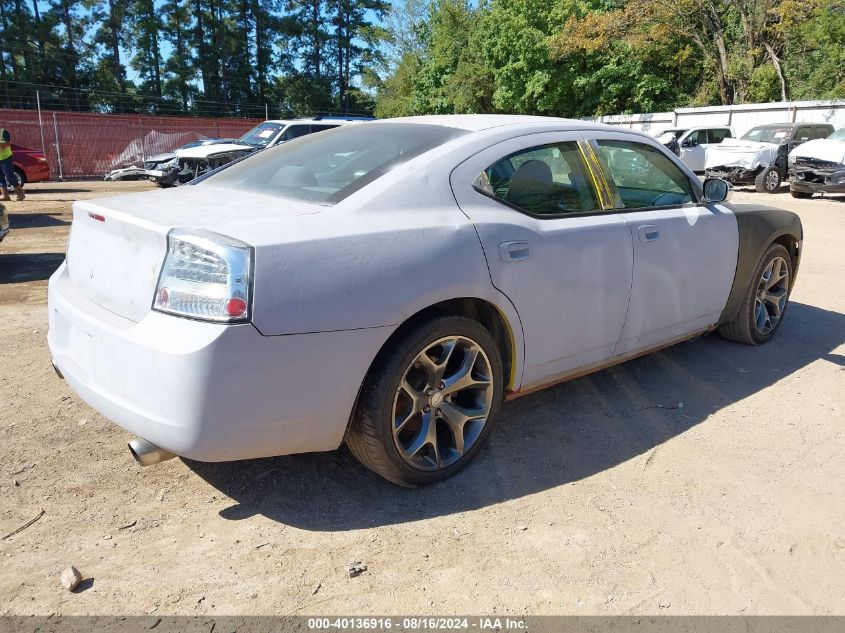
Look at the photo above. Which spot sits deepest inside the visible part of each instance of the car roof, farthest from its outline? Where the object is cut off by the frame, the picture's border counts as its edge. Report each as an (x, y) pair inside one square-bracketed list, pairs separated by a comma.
[(318, 121), (478, 122), (790, 124)]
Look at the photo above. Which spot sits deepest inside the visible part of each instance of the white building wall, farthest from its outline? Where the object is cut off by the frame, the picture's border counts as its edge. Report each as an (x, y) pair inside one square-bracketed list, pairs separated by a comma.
[(741, 117)]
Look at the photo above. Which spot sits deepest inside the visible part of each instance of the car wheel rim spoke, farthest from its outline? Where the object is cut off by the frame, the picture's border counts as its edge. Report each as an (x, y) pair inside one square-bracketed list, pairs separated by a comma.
[(772, 294), (442, 403), (772, 179)]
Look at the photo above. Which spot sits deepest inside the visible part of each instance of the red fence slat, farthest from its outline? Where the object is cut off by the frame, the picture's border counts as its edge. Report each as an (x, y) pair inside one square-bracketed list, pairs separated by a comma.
[(93, 144)]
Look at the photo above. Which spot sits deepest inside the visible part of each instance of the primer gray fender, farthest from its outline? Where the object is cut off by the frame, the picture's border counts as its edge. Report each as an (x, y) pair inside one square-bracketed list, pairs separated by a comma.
[(759, 226)]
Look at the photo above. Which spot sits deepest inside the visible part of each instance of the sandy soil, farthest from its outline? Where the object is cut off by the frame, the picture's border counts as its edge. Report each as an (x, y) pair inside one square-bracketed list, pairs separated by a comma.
[(588, 500)]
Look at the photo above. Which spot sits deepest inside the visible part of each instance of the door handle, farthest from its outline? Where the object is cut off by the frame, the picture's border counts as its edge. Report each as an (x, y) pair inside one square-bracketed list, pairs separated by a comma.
[(514, 251), (648, 233)]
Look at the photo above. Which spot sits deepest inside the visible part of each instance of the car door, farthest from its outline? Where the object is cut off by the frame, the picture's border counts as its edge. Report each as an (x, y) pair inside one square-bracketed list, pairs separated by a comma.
[(693, 147), (685, 252), (554, 246)]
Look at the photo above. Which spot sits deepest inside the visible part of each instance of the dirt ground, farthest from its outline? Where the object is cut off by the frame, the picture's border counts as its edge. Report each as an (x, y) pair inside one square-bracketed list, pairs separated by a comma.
[(589, 499)]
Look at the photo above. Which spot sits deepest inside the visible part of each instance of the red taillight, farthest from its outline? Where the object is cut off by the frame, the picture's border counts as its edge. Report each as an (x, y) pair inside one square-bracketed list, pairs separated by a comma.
[(236, 307), (97, 216)]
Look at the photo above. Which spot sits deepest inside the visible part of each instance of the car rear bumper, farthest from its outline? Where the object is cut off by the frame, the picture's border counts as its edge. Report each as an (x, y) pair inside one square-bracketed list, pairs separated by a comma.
[(206, 391)]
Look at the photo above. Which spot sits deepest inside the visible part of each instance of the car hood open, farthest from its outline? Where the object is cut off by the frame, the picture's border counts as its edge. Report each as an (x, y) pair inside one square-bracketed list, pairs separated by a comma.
[(821, 149), (737, 152)]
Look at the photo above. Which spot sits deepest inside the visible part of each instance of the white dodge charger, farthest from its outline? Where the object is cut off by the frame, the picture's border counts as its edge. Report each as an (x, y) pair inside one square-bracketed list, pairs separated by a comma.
[(389, 284)]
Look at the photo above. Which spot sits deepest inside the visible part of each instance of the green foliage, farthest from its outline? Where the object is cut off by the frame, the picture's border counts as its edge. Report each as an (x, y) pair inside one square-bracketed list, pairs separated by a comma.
[(818, 53), (204, 57), (593, 57)]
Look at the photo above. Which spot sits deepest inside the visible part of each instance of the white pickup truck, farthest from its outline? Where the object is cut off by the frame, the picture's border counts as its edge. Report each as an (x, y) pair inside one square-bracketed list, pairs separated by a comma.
[(691, 144)]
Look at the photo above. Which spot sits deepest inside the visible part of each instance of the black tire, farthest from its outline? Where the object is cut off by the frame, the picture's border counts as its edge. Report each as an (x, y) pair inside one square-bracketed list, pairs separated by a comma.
[(743, 328), (768, 180), (800, 194), (370, 437), (21, 176)]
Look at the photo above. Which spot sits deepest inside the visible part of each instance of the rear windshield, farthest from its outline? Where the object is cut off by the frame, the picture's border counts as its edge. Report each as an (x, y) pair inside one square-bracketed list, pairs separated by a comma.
[(776, 135), (838, 135), (261, 134), (325, 168)]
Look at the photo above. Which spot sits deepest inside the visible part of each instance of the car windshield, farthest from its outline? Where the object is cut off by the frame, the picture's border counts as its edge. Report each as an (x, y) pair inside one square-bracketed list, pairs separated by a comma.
[(325, 168), (838, 135), (261, 134), (776, 135), (197, 143)]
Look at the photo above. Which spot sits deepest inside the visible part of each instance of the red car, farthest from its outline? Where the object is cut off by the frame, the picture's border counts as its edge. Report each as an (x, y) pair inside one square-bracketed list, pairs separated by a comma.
[(30, 164)]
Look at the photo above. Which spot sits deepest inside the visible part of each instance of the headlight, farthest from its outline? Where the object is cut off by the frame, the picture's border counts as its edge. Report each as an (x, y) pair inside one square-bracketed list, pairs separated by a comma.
[(205, 276), (791, 160)]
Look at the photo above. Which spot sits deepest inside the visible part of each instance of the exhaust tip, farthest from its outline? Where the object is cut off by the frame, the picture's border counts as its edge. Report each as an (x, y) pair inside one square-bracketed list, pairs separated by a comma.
[(147, 453)]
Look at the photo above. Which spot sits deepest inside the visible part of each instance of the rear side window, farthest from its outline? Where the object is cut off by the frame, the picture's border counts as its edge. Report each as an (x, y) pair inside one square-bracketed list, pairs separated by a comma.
[(644, 176), (294, 131), (719, 134), (548, 180), (823, 131), (804, 134)]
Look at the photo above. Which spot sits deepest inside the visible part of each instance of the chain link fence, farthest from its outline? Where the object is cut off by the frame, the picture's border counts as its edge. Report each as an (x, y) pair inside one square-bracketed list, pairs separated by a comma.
[(83, 145)]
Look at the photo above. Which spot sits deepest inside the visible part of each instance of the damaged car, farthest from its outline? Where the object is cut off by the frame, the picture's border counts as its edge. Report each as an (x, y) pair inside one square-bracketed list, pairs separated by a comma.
[(157, 162), (818, 166), (759, 157), (691, 144), (388, 285), (190, 163)]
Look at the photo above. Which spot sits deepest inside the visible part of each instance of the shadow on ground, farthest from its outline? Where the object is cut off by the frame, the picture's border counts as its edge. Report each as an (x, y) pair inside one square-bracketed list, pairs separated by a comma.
[(40, 193), (563, 434), (35, 220), (20, 267)]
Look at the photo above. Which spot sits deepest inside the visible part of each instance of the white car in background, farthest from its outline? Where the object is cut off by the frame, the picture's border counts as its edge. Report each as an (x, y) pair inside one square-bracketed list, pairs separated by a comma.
[(389, 284), (691, 144), (818, 166), (199, 159)]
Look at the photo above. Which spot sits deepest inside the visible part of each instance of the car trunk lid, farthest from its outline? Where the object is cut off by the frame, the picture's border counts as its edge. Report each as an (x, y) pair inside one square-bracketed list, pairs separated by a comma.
[(117, 245)]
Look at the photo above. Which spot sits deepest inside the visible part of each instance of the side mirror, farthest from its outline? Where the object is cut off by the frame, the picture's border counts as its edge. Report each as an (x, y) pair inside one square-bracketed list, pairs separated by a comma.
[(717, 190)]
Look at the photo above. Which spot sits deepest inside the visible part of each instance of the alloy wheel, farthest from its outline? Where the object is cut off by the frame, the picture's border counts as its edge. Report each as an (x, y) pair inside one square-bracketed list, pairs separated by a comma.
[(772, 180), (442, 403), (772, 291)]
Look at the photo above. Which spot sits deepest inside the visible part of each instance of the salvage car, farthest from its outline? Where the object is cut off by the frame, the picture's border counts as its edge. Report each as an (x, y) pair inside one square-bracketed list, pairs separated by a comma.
[(30, 164), (759, 158), (154, 166), (193, 162), (691, 144), (390, 284), (818, 166)]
